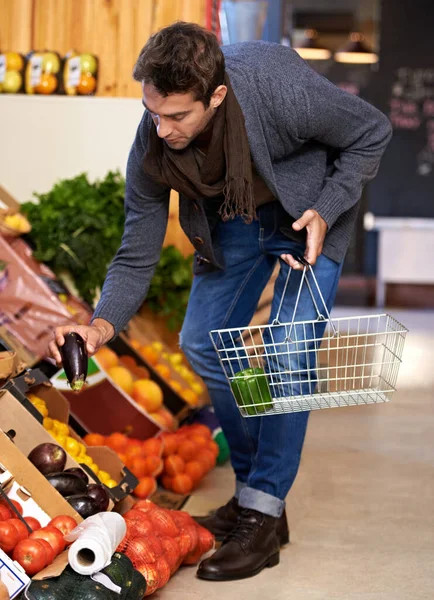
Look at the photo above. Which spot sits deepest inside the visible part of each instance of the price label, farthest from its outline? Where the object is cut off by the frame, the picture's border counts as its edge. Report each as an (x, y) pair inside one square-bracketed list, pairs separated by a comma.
[(74, 71), (2, 67), (35, 70)]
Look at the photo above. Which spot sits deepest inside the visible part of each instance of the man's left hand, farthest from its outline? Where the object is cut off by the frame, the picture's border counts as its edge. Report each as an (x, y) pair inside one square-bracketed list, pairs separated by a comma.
[(316, 231)]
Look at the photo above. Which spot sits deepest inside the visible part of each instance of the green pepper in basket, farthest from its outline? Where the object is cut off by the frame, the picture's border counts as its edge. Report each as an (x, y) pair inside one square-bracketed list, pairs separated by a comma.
[(251, 390)]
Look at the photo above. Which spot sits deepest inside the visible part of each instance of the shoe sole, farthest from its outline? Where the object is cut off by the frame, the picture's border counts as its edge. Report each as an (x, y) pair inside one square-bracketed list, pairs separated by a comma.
[(273, 561)]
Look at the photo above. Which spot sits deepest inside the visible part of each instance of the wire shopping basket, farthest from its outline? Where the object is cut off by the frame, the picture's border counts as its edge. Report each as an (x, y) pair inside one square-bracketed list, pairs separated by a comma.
[(308, 365)]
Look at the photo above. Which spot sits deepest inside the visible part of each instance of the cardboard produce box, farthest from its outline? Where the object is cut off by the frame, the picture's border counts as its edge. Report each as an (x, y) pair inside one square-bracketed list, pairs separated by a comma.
[(103, 407), (58, 408)]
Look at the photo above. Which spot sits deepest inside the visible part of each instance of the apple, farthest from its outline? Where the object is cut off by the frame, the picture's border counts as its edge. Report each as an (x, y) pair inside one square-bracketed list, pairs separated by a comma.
[(14, 61), (12, 82), (50, 62), (88, 63)]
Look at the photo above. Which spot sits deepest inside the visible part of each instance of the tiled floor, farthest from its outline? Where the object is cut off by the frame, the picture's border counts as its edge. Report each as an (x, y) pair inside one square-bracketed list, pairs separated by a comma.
[(361, 511)]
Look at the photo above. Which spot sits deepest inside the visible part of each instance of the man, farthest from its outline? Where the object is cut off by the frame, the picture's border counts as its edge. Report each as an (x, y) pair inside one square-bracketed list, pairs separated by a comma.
[(270, 160)]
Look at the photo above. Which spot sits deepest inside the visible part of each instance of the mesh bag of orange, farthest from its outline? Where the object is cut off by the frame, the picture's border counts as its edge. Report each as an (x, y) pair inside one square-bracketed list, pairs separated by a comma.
[(159, 541)]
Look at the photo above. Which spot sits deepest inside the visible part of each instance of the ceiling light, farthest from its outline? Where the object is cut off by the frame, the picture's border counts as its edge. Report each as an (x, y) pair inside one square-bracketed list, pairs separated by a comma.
[(356, 51), (309, 49)]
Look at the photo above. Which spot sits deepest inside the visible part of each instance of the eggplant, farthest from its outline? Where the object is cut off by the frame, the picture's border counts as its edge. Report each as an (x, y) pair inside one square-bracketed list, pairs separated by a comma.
[(84, 505), (48, 458), (100, 494), (67, 484), (78, 472), (74, 359)]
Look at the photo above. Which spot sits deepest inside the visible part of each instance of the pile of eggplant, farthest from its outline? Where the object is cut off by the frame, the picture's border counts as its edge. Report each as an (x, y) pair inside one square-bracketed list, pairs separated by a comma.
[(73, 484)]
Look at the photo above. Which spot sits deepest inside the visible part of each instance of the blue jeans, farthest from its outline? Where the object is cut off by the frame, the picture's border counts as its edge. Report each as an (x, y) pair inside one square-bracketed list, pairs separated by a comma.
[(265, 451)]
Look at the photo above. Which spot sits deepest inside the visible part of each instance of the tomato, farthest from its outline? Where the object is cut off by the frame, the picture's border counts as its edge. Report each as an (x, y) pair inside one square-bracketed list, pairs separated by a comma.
[(17, 505), (49, 552), (8, 536), (5, 513), (64, 524), (23, 532), (33, 523), (31, 555), (52, 536)]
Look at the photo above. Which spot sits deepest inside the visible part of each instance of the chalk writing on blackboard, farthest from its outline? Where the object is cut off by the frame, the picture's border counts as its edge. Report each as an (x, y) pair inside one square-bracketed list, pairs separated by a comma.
[(412, 109)]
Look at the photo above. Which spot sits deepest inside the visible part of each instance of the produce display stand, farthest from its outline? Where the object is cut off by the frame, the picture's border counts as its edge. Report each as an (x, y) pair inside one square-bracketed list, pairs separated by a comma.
[(58, 407)]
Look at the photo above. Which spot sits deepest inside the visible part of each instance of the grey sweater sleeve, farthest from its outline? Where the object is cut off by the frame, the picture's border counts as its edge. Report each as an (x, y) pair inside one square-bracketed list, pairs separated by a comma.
[(319, 110), (146, 215)]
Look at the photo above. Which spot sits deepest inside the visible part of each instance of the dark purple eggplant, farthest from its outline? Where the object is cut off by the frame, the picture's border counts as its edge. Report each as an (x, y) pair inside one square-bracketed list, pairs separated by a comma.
[(100, 494), (84, 505), (48, 458), (78, 472), (74, 359), (67, 484)]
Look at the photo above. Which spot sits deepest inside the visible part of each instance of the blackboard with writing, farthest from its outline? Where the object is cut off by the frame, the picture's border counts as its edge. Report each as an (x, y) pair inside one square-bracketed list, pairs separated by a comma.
[(404, 89)]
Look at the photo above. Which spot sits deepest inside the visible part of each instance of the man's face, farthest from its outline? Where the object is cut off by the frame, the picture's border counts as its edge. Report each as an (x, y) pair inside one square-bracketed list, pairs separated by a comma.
[(179, 118)]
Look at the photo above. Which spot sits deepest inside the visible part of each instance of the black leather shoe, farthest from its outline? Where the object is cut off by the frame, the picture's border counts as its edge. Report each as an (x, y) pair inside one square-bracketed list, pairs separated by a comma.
[(250, 547), (223, 520)]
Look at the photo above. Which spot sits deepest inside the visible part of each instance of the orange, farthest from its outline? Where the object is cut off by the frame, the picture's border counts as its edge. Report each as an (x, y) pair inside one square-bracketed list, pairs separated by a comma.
[(167, 482), (163, 370), (164, 418), (188, 450), (213, 446), (147, 486), (173, 465), (138, 467), (170, 443), (182, 484), (117, 442), (153, 465), (94, 439), (190, 397), (131, 453), (199, 429), (207, 458), (196, 470), (152, 447), (149, 354), (87, 84), (128, 362), (107, 358), (122, 457), (175, 385), (122, 377), (47, 85), (148, 394), (199, 440), (140, 372)]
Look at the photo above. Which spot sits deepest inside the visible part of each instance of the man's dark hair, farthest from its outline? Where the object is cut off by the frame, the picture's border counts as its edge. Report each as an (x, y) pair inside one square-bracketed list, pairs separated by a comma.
[(182, 58)]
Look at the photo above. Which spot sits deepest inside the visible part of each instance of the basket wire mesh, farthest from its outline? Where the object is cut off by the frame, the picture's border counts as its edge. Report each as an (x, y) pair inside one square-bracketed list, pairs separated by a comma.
[(307, 365)]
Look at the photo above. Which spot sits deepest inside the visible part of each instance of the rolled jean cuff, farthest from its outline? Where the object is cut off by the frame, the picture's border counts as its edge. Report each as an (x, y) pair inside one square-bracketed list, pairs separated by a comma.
[(239, 485), (261, 501)]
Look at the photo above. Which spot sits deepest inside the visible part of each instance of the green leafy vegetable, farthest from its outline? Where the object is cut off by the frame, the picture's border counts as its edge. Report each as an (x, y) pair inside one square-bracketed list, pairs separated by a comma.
[(77, 228)]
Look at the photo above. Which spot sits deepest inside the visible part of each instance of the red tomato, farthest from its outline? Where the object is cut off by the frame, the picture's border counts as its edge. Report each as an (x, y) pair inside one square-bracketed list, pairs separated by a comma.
[(49, 552), (17, 506), (33, 523), (5, 513), (8, 536), (52, 536), (64, 524), (23, 532), (15, 503), (31, 555)]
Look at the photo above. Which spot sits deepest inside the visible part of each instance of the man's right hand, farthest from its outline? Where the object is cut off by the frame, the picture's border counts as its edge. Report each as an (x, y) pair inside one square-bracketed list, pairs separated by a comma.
[(95, 336)]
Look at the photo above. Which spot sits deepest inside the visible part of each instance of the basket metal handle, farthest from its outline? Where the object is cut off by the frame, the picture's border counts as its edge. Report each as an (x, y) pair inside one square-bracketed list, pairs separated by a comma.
[(307, 267)]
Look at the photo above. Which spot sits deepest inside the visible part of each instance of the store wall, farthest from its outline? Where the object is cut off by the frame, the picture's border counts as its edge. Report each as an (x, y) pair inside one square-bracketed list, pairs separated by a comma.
[(114, 30)]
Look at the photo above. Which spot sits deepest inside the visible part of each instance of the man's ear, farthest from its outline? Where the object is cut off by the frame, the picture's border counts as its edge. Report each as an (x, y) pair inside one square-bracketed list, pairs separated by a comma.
[(218, 96)]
